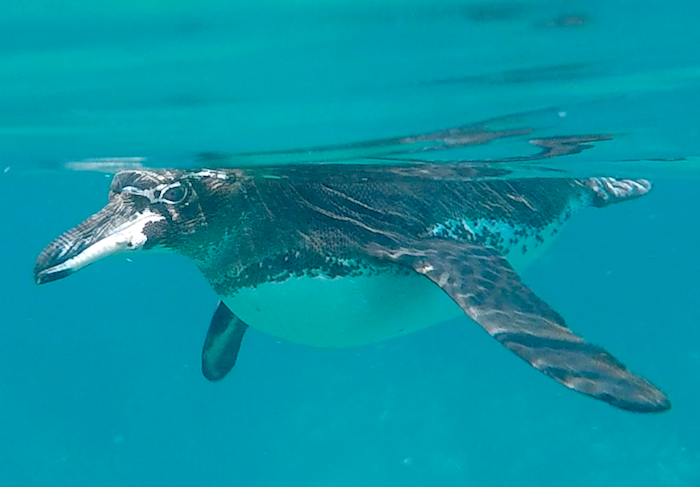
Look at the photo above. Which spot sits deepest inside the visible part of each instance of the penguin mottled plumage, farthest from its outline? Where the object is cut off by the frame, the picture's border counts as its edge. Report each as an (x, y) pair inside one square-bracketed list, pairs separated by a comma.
[(339, 255)]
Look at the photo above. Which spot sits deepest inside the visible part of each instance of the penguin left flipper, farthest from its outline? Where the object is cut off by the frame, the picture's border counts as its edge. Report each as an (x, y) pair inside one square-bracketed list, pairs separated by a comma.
[(222, 343), (490, 292)]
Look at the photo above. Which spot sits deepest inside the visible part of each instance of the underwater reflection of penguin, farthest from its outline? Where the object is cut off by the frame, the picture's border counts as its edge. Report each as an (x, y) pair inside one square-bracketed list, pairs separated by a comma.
[(336, 255)]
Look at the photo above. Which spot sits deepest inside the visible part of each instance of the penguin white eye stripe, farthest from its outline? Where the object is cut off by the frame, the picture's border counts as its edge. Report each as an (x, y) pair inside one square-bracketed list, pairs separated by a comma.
[(132, 190), (157, 193)]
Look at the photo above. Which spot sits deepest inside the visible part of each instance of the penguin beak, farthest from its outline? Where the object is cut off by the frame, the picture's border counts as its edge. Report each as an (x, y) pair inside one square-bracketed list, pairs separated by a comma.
[(116, 228)]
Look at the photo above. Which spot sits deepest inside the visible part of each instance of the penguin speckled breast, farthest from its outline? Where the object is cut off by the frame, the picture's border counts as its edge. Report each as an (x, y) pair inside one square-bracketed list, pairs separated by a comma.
[(338, 255)]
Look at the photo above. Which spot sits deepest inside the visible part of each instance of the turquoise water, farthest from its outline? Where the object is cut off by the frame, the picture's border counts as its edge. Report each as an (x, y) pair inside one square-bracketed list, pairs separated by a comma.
[(99, 374)]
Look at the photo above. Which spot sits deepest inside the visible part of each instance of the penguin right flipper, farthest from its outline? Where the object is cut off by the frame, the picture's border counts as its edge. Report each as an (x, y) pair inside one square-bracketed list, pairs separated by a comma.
[(490, 292)]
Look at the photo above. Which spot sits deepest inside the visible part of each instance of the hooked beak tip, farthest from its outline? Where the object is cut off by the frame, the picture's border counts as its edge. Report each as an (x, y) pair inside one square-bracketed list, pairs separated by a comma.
[(42, 276)]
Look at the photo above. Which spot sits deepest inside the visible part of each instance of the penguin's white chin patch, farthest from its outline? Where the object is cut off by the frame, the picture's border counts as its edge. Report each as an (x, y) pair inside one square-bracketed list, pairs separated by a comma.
[(128, 236)]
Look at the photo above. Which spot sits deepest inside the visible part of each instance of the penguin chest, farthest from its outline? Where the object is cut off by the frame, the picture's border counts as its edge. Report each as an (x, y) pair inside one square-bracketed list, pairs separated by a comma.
[(343, 311)]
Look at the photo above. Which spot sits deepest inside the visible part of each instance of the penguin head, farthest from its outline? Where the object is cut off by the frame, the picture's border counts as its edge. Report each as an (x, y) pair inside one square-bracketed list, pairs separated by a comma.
[(147, 210)]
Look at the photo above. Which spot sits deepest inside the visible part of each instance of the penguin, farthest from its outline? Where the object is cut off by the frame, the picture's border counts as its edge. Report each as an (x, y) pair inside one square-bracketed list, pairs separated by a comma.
[(340, 255)]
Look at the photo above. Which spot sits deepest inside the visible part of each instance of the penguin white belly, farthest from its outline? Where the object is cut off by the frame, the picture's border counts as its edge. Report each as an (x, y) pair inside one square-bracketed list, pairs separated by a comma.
[(345, 311), (352, 310)]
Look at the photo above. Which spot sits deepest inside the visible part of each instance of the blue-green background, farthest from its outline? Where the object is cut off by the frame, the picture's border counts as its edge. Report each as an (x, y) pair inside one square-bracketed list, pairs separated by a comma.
[(99, 374)]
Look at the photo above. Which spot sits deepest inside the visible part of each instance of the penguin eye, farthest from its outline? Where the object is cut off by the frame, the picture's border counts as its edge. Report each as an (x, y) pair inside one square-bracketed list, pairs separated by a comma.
[(174, 195)]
